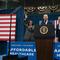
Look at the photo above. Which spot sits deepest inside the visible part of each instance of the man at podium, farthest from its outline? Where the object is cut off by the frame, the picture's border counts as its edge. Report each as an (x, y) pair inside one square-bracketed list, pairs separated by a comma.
[(44, 35), (45, 20)]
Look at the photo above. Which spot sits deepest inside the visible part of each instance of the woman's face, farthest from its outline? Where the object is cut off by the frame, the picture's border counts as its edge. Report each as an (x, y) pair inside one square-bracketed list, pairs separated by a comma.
[(30, 22)]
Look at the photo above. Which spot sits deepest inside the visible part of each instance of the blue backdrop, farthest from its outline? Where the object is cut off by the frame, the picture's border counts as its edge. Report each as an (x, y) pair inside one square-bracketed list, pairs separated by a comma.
[(35, 17)]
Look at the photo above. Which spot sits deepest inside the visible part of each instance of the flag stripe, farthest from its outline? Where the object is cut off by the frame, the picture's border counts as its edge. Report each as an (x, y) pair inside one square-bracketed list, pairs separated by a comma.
[(7, 14), (7, 26), (7, 34), (7, 19), (7, 22), (7, 30), (6, 37)]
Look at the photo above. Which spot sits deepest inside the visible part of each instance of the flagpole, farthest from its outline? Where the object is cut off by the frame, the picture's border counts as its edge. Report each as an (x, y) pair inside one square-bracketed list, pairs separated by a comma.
[(10, 35)]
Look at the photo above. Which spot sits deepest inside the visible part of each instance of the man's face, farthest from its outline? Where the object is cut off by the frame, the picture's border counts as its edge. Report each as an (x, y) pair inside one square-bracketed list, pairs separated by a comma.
[(45, 17), (59, 19)]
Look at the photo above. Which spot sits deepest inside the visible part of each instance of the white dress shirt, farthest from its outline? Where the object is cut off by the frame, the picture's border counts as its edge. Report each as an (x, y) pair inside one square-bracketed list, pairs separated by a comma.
[(59, 26), (46, 22)]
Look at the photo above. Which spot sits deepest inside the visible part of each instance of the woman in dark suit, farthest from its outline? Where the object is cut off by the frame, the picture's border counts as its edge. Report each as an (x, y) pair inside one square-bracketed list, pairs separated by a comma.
[(29, 31)]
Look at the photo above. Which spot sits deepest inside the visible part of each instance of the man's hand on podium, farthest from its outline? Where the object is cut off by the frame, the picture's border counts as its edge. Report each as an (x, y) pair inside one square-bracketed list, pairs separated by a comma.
[(56, 39)]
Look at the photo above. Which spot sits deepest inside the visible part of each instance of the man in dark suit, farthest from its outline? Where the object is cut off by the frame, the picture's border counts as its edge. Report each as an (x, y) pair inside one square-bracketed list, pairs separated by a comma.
[(45, 20), (44, 45), (58, 29), (45, 17)]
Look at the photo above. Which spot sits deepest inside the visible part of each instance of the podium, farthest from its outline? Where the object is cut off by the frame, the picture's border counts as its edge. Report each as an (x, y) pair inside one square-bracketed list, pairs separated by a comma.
[(44, 36)]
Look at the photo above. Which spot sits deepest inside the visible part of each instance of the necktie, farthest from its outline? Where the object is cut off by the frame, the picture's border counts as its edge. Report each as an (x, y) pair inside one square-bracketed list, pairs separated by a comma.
[(45, 21)]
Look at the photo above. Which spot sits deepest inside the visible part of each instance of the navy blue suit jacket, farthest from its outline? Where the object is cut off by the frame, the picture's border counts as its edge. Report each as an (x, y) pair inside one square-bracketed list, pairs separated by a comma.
[(42, 22)]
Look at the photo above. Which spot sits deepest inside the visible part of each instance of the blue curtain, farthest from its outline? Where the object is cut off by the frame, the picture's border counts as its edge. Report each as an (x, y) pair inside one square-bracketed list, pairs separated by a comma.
[(20, 24)]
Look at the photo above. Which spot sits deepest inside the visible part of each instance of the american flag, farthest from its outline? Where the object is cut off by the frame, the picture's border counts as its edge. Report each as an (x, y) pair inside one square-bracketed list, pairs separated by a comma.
[(5, 21)]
